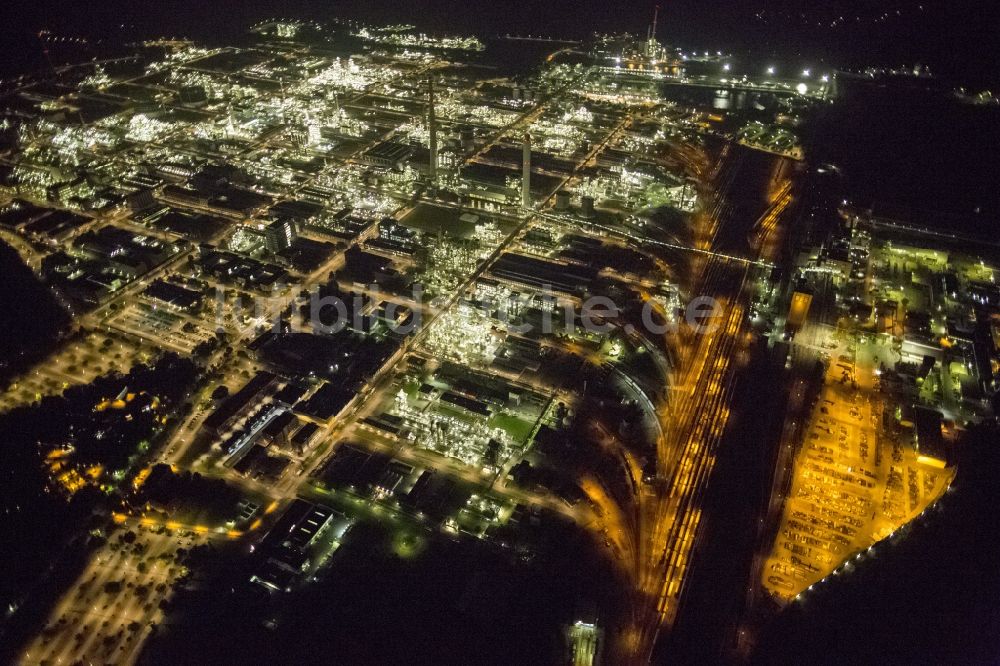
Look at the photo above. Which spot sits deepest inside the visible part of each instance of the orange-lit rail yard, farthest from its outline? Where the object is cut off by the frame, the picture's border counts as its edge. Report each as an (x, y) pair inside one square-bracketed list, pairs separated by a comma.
[(695, 419)]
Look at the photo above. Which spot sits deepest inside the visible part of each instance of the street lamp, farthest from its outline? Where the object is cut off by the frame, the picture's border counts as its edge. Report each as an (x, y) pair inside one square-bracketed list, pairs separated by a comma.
[(805, 73), (726, 67), (770, 71)]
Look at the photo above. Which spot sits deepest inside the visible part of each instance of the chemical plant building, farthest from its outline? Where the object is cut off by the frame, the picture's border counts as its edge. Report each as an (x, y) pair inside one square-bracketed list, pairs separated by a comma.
[(259, 420), (929, 439), (388, 155), (289, 549), (279, 235), (238, 404), (521, 270), (96, 264), (305, 437), (174, 296)]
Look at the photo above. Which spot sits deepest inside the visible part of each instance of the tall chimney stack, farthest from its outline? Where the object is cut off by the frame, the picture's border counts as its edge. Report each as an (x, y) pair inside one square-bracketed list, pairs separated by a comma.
[(526, 173), (432, 128)]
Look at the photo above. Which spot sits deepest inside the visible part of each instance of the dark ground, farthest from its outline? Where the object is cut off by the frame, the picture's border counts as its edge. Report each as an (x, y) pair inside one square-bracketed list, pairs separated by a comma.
[(914, 155), (30, 318), (460, 601)]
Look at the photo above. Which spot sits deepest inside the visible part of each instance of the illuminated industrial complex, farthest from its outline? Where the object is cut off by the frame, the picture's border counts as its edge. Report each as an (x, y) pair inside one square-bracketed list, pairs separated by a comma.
[(417, 292)]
